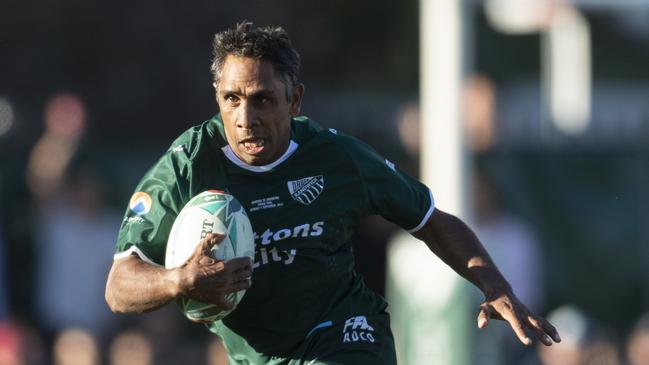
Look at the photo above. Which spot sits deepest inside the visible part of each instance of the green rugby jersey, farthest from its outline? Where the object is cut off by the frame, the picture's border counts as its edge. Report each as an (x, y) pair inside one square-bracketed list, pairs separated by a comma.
[(303, 208)]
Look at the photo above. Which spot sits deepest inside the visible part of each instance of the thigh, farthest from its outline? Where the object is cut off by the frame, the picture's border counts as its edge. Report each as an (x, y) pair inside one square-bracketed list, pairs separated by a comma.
[(356, 340)]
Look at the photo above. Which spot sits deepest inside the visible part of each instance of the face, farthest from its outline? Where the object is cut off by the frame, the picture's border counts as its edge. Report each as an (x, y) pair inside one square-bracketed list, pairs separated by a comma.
[(255, 110)]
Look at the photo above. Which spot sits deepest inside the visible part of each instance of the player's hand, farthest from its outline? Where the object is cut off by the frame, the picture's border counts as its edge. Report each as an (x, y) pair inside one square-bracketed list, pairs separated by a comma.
[(208, 280), (507, 307)]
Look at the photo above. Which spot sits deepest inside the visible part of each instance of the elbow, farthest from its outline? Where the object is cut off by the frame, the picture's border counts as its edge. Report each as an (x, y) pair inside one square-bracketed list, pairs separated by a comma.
[(113, 304), (118, 305), (111, 293)]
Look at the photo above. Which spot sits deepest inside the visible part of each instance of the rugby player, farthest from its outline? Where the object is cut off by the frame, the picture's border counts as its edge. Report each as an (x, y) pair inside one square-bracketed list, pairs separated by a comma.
[(305, 189)]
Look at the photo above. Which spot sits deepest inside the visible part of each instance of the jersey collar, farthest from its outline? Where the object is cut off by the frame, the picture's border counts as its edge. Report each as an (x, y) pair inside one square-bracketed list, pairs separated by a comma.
[(292, 147)]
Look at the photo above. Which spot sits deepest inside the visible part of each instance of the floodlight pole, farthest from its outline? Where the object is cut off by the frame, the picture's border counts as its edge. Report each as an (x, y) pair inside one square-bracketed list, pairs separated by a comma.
[(429, 302)]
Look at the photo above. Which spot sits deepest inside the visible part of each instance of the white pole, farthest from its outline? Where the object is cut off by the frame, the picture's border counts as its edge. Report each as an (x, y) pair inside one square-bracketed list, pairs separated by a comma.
[(429, 302), (441, 65)]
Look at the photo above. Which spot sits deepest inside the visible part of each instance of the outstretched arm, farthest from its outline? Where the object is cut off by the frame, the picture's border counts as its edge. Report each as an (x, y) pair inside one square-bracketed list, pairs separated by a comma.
[(135, 286), (454, 242)]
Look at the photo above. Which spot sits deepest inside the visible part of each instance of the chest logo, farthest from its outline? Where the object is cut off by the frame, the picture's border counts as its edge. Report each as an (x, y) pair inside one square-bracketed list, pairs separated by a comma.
[(306, 190)]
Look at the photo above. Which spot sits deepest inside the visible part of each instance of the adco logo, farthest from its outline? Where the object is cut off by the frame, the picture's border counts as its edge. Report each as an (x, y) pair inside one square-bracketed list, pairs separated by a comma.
[(357, 329)]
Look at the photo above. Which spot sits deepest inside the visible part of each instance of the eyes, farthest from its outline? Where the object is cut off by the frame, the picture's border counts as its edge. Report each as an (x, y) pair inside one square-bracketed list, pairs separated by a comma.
[(258, 100), (231, 99)]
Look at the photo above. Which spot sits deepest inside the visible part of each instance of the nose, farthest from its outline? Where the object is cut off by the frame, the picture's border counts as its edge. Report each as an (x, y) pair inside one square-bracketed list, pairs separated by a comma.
[(248, 116)]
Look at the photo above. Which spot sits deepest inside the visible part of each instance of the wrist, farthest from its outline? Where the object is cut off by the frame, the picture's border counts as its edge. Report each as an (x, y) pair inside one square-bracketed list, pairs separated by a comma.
[(490, 281), (175, 282), (496, 289)]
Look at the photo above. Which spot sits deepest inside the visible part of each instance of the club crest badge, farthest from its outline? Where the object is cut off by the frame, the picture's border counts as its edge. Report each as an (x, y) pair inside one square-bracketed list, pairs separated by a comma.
[(306, 190)]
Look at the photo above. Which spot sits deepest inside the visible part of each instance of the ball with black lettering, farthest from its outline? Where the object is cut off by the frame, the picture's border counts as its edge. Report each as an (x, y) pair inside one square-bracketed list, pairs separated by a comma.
[(211, 211)]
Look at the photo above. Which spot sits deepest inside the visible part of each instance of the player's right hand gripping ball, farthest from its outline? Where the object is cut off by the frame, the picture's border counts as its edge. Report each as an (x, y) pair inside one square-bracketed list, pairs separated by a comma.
[(211, 211)]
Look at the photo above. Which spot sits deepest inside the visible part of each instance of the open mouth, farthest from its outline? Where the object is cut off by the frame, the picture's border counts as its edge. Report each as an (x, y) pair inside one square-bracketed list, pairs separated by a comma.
[(253, 146)]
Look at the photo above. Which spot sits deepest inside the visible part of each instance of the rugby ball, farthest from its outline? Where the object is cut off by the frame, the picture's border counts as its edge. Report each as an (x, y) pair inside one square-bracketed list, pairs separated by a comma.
[(211, 211)]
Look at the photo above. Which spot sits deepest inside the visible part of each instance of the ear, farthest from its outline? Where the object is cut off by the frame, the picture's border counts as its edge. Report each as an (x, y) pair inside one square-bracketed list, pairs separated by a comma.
[(296, 100)]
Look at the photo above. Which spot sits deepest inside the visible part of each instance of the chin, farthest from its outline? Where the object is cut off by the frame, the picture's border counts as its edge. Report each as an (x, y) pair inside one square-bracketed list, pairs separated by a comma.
[(256, 161)]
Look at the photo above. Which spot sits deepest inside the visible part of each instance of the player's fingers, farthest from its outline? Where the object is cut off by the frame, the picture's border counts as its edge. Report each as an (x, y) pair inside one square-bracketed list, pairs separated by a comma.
[(209, 241), (242, 274), (215, 264), (239, 263), (218, 298), (517, 326), (246, 270), (202, 253), (515, 320), (537, 327), (550, 330), (239, 285), (204, 246), (483, 316), (226, 304)]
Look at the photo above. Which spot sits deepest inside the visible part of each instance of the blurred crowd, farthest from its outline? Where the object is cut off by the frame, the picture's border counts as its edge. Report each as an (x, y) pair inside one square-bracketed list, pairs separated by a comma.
[(73, 232)]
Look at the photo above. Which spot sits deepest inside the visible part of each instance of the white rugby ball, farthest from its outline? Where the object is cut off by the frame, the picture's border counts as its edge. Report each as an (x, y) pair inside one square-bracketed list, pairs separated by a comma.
[(211, 211)]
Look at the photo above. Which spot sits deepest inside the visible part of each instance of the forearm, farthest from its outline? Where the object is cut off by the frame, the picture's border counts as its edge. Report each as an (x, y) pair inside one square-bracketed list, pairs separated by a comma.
[(135, 286), (456, 244)]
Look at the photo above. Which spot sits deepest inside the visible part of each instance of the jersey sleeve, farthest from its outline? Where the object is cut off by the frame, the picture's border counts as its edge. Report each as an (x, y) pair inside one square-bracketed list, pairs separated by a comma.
[(151, 212), (390, 192)]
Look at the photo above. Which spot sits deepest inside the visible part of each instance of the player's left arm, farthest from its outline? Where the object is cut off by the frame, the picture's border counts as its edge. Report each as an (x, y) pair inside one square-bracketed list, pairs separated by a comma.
[(456, 244)]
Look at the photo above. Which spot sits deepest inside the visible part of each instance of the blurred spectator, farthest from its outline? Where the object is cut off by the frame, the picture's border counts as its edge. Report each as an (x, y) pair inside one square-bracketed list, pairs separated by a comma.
[(637, 347), (572, 324), (600, 350), (583, 341), (131, 348), (408, 128), (479, 110), (4, 292), (163, 329), (10, 345), (76, 347), (75, 239), (10, 340), (33, 349), (216, 353), (65, 120)]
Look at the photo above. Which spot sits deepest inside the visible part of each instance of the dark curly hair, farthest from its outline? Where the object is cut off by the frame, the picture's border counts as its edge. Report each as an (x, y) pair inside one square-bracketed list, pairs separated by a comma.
[(267, 43)]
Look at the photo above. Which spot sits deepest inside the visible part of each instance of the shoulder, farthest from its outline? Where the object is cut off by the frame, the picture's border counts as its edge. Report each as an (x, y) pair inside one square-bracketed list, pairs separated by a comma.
[(306, 130), (355, 148), (188, 150), (191, 144)]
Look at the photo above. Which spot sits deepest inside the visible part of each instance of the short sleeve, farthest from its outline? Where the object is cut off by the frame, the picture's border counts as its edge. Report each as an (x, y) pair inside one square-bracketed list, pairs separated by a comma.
[(391, 193), (151, 212)]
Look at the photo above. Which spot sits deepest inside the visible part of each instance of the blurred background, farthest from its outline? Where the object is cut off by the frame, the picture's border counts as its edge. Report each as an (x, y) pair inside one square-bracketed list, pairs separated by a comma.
[(553, 115)]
